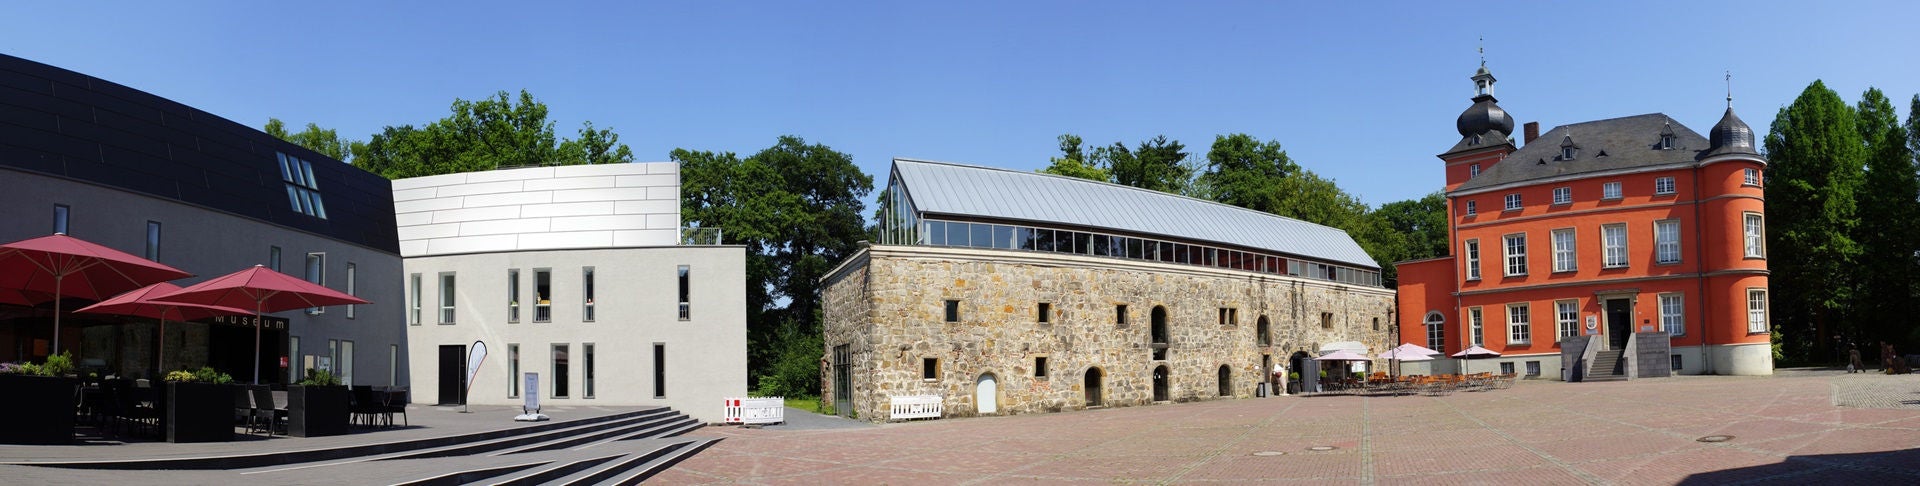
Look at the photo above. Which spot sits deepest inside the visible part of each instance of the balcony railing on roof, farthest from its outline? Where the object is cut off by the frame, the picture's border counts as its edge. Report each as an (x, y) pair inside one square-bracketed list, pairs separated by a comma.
[(700, 236)]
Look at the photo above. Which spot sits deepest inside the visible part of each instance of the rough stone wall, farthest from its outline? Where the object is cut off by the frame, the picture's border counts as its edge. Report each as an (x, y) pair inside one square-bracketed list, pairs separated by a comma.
[(900, 321), (847, 307)]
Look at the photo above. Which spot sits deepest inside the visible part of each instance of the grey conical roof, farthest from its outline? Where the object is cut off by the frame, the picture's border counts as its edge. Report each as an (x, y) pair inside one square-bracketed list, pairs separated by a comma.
[(1730, 136)]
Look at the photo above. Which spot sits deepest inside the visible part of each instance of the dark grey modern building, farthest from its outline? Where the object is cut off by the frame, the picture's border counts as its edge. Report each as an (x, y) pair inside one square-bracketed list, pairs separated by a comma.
[(149, 176)]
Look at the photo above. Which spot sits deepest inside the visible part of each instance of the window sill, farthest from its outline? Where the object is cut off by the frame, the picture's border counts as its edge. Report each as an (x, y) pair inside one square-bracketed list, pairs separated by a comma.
[(1751, 257), (1612, 198), (446, 323), (1759, 333), (1666, 264), (1570, 270), (924, 380), (1615, 267), (537, 321), (1513, 210), (1755, 186), (1563, 204)]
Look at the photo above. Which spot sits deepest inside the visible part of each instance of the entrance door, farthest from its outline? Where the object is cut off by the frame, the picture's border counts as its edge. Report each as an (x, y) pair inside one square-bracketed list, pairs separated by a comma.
[(1093, 387), (453, 368), (842, 379), (984, 394), (1619, 322)]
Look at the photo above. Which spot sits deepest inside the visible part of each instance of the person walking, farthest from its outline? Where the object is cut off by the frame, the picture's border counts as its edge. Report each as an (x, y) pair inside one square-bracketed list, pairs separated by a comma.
[(1853, 360)]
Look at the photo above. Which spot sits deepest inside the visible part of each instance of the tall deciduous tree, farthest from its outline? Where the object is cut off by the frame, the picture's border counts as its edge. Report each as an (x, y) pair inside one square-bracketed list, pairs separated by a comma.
[(797, 209), (1245, 172), (326, 141), (1158, 164), (1888, 210), (487, 134), (1816, 157), (1073, 162)]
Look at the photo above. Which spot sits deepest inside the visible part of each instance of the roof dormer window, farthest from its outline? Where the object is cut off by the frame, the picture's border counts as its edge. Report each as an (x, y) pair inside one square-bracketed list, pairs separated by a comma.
[(1666, 137), (1567, 148), (1475, 140)]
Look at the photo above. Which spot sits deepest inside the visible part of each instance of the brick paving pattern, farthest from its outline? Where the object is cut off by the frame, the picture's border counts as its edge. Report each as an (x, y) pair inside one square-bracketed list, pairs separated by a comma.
[(1802, 427)]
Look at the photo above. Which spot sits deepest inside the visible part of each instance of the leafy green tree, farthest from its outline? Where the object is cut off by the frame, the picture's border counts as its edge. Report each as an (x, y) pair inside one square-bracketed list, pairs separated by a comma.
[(1399, 231), (1158, 164), (1073, 162), (1816, 160), (797, 209), (793, 369), (487, 134), (1245, 172), (1888, 208), (326, 141)]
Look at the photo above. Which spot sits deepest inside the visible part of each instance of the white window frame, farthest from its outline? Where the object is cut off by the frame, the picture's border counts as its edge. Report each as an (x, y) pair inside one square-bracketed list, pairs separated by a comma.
[(1512, 202), (1519, 323), (1753, 227), (1473, 258), (1563, 195), (1565, 255), (1472, 209), (1473, 171), (1750, 177), (586, 295), (1666, 241), (413, 318), (1610, 190), (1566, 318), (1613, 246), (449, 297), (1478, 336), (1673, 313), (1756, 310), (1514, 246), (1436, 330), (1663, 186)]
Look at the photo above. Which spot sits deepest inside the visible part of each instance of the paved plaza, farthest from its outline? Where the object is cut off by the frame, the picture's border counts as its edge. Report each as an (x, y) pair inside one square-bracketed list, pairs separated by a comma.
[(1787, 429)]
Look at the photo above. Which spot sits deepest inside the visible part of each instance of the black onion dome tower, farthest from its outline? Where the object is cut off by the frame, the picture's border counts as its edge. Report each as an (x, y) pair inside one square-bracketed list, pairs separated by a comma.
[(1484, 124), (1730, 137)]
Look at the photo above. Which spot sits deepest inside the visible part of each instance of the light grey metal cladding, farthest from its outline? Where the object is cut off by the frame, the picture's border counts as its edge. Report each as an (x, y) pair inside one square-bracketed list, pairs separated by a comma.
[(940, 188)]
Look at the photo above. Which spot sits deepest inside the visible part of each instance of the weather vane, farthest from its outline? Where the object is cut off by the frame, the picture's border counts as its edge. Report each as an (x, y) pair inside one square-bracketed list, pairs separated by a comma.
[(1483, 51), (1729, 88)]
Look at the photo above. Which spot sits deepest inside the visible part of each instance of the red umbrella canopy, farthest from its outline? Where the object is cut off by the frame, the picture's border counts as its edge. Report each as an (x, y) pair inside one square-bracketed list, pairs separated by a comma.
[(87, 270), (139, 303), (259, 288), (15, 297)]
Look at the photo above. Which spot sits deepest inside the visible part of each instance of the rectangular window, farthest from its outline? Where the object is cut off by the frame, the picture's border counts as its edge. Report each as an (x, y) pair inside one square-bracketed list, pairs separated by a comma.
[(273, 258), (953, 310), (586, 352), (560, 369), (1519, 324), (1755, 231), (1473, 259), (1472, 209), (393, 365), (1676, 362), (1040, 367), (60, 212), (586, 306), (345, 363), (1533, 368), (1613, 240), (333, 357), (929, 369), (1516, 254), (296, 370), (1436, 332), (1473, 171), (1044, 313), (686, 292), (413, 299), (659, 370), (1662, 186), (1474, 323), (1666, 240), (1564, 259), (1326, 320), (1566, 318), (353, 285), (1120, 315), (513, 370), (1610, 190), (1513, 202), (513, 295), (153, 240), (446, 298), (1751, 177), (1756, 310), (1673, 314), (1506, 368), (1563, 195), (542, 295), (303, 188), (317, 274)]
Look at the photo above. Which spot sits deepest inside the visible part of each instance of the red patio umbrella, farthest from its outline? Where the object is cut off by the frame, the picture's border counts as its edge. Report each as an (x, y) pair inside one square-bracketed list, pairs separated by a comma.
[(262, 290), (14, 297), (139, 303), (71, 267)]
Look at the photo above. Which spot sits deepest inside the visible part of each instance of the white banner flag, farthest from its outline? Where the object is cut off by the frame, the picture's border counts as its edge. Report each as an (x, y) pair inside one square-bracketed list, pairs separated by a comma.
[(474, 358)]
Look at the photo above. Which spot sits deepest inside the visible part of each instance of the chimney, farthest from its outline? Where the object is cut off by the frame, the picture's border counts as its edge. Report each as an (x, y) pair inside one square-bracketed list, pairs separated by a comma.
[(1533, 132)]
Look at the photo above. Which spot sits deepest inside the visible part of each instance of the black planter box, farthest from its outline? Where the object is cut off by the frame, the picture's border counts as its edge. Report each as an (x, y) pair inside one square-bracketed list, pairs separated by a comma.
[(38, 409), (199, 412), (314, 411)]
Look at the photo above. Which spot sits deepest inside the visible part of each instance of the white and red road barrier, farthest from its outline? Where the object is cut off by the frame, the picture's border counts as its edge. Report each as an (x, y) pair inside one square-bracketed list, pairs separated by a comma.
[(755, 410)]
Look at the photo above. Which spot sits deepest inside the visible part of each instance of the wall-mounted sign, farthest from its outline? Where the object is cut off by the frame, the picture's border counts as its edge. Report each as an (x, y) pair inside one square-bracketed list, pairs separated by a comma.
[(269, 322), (1593, 323)]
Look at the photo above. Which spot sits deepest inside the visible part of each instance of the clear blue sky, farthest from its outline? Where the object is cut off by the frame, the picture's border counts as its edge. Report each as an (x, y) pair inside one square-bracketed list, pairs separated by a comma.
[(1363, 92)]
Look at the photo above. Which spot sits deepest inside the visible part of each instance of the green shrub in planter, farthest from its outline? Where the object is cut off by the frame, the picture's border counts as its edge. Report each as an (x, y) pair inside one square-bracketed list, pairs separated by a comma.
[(318, 406)]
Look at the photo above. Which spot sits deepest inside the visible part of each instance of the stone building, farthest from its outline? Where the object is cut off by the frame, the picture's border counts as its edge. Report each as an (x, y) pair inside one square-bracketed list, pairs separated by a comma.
[(1007, 292)]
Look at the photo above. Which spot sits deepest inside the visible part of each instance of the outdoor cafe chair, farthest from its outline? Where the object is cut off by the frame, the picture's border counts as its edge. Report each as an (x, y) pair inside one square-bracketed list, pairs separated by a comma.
[(394, 400), (265, 409)]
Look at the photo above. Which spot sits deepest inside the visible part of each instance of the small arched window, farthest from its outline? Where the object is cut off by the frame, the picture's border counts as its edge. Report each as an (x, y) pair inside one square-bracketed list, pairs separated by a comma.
[(1436, 331)]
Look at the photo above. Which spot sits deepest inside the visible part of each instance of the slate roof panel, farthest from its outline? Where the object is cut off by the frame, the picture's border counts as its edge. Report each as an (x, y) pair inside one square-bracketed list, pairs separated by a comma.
[(1628, 142)]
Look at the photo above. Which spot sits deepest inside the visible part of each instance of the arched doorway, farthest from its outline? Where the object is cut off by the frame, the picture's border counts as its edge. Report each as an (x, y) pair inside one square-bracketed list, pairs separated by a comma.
[(986, 394), (1226, 381), (1159, 330), (1436, 331), (1094, 395), (1296, 364), (1160, 383)]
